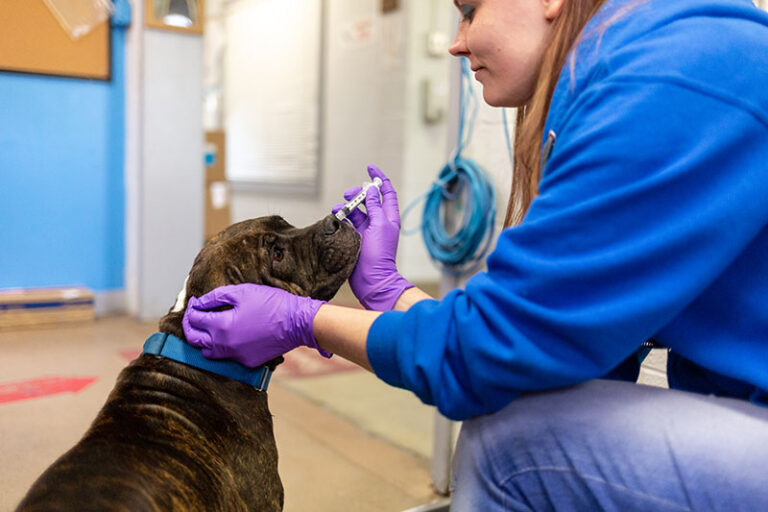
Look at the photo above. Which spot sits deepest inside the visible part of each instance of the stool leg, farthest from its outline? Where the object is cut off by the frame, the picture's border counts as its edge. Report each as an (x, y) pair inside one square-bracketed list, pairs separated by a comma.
[(442, 452)]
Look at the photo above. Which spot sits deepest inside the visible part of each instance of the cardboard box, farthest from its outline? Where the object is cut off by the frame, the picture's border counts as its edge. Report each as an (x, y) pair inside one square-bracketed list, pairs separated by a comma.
[(215, 157), (43, 307), (218, 213)]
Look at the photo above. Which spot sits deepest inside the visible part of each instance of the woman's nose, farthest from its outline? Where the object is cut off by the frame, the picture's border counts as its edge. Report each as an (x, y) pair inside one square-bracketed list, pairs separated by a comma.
[(459, 46)]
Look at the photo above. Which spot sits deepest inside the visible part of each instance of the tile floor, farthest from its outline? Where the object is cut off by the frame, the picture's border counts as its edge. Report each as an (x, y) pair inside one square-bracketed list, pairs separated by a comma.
[(346, 440)]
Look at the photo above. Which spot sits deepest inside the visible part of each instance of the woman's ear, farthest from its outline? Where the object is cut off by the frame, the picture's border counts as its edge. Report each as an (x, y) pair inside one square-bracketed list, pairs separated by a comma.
[(552, 8)]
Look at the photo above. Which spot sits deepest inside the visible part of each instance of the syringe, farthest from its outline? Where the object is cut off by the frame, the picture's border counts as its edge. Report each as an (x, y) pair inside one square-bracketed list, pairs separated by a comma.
[(359, 198)]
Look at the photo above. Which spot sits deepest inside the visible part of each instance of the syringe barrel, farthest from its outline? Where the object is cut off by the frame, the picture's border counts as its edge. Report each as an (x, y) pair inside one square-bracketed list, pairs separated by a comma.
[(359, 198)]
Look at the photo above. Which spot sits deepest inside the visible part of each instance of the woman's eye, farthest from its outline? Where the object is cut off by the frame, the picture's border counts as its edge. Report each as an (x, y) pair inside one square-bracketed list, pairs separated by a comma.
[(467, 11), (277, 254)]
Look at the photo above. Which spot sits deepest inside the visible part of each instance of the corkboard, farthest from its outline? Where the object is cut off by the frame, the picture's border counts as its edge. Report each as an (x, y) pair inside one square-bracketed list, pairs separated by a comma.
[(33, 41)]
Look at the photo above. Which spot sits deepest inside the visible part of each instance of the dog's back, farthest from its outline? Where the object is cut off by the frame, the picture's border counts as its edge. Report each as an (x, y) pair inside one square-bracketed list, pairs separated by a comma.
[(170, 437)]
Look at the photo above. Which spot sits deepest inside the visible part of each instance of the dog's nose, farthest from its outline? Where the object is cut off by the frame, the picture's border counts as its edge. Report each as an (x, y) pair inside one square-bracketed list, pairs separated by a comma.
[(331, 225)]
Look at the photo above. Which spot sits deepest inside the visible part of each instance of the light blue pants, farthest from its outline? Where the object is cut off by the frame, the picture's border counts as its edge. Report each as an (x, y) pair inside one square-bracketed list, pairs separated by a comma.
[(611, 445)]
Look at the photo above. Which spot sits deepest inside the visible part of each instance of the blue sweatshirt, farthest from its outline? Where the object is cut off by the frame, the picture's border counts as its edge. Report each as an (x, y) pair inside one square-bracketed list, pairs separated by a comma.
[(650, 223)]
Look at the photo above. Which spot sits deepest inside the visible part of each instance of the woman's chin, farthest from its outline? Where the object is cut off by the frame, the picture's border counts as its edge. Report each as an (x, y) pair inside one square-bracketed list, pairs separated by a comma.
[(495, 98)]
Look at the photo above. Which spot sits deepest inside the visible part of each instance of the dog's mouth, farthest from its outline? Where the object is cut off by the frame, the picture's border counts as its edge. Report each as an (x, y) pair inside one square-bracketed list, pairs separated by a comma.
[(337, 257), (334, 257)]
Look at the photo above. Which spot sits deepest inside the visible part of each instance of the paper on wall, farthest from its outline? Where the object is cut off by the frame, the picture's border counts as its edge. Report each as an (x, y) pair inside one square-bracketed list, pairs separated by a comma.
[(78, 17)]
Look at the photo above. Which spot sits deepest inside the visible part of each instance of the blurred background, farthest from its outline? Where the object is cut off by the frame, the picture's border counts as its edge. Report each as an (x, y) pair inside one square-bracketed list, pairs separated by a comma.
[(133, 131)]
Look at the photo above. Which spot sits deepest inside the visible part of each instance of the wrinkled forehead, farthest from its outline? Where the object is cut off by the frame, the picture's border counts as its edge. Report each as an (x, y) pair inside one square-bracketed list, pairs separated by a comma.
[(274, 224), (266, 230), (251, 227)]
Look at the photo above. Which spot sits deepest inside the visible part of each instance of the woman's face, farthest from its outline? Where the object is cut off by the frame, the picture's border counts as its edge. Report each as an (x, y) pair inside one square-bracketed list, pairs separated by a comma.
[(504, 41)]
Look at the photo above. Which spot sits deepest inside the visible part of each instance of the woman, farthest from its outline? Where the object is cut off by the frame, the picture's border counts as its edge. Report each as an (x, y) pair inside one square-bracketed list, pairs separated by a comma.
[(639, 204)]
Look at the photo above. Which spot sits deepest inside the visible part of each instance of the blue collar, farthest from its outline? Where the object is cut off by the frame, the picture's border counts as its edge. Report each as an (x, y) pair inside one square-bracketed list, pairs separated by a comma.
[(168, 345)]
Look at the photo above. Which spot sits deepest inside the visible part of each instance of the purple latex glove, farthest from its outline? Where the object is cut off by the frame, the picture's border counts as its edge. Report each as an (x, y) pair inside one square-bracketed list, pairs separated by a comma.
[(263, 323), (375, 281)]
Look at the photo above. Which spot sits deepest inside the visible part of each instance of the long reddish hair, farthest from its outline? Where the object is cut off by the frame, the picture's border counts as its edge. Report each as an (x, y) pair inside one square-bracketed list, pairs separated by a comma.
[(529, 126)]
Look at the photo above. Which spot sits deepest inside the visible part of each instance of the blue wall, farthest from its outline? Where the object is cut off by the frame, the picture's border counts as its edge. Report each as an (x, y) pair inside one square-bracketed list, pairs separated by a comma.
[(62, 192)]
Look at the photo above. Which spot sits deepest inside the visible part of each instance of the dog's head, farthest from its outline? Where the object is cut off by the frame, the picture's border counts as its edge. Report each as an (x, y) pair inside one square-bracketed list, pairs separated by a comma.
[(313, 261)]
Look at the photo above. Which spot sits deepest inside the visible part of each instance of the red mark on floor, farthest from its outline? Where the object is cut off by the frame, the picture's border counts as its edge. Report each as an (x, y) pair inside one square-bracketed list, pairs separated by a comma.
[(304, 362), (130, 354), (44, 386)]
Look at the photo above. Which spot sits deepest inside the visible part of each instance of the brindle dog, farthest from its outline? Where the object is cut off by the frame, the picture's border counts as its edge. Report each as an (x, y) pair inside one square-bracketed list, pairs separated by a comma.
[(172, 437)]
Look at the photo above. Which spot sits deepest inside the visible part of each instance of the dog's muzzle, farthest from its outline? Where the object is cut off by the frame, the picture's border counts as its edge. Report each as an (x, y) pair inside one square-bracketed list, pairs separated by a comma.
[(339, 245)]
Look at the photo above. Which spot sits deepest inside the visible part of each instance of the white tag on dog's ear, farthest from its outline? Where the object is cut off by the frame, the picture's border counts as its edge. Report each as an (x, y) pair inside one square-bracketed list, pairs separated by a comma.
[(181, 298)]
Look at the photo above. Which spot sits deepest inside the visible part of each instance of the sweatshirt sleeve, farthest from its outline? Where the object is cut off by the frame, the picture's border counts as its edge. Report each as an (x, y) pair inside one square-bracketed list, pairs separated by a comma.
[(642, 205)]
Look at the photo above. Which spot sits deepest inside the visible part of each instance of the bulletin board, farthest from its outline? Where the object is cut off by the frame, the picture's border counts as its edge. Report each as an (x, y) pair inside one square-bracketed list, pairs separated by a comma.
[(33, 41)]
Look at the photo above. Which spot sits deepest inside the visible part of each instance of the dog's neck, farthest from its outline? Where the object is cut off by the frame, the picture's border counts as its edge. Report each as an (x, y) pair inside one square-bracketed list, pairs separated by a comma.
[(171, 347), (172, 323)]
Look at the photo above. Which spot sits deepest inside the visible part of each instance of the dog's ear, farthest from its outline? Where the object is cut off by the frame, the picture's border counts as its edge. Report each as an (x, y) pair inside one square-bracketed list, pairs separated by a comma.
[(251, 255), (258, 246)]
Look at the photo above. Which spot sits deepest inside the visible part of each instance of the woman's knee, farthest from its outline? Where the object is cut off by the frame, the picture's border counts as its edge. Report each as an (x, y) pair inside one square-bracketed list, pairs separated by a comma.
[(613, 441), (539, 430), (490, 450), (493, 445)]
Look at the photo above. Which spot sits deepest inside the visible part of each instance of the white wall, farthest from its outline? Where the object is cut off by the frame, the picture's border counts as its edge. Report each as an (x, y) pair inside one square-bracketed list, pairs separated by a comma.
[(279, 89), (425, 145), (169, 202), (487, 147), (134, 48)]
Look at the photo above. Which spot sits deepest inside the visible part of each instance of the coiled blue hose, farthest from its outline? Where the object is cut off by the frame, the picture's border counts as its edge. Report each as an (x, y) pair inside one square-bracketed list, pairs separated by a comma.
[(464, 249), (462, 184)]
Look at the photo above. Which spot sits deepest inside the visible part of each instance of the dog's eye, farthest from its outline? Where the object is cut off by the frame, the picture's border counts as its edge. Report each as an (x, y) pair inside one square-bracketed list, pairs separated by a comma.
[(277, 254)]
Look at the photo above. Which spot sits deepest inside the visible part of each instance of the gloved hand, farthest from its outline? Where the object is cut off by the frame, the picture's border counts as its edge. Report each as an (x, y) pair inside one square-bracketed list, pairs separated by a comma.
[(262, 323), (375, 281)]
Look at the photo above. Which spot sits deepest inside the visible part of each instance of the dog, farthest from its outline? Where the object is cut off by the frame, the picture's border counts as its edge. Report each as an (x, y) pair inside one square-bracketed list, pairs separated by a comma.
[(174, 437)]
